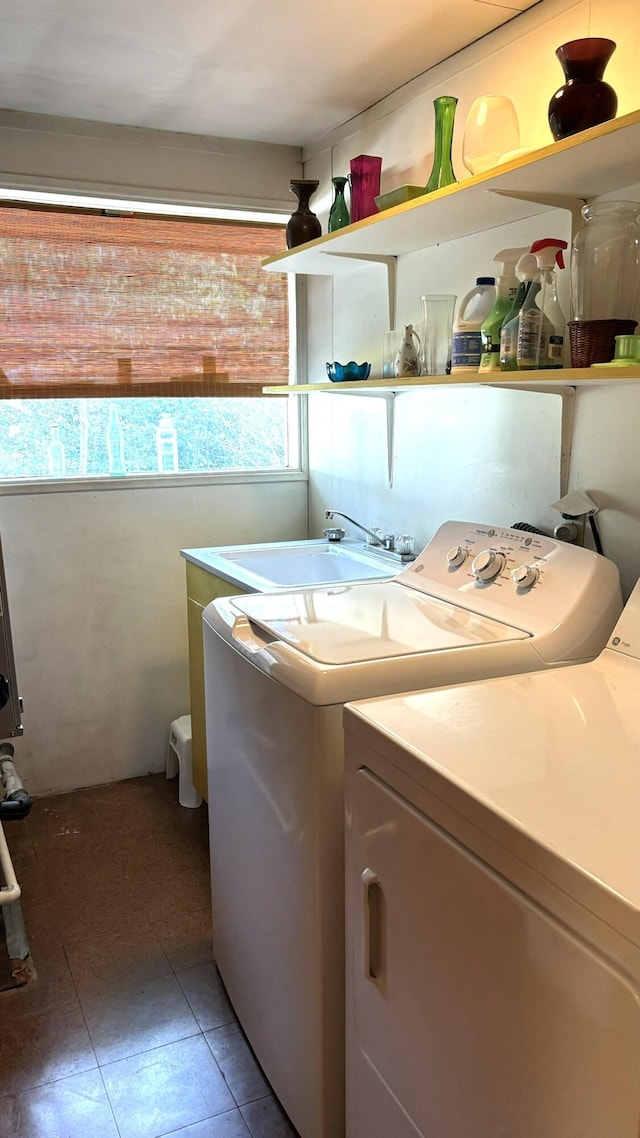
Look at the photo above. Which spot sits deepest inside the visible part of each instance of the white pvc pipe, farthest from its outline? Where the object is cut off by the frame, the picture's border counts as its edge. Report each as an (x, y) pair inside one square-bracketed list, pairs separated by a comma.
[(10, 891)]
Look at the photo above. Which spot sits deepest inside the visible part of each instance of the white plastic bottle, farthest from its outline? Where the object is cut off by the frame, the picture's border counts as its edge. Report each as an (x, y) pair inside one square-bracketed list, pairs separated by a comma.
[(541, 323), (167, 444), (475, 306)]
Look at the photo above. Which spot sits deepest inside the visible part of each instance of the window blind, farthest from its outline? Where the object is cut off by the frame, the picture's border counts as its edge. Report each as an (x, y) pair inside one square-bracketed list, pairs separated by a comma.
[(93, 304)]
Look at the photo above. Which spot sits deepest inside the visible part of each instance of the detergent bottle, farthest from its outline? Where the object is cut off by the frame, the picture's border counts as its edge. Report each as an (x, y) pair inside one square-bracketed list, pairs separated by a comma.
[(526, 271), (541, 321), (475, 306), (506, 289)]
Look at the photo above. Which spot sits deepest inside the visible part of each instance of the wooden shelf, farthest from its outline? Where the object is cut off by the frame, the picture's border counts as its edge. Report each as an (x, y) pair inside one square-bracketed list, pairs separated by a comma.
[(563, 174), (541, 380)]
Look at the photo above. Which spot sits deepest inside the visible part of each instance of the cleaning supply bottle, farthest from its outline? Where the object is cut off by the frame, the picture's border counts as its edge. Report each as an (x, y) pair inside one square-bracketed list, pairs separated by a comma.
[(506, 289), (475, 306), (526, 271), (541, 322)]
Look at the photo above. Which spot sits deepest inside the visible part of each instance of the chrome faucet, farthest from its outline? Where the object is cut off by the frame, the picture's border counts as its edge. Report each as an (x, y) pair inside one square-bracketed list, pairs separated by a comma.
[(385, 540)]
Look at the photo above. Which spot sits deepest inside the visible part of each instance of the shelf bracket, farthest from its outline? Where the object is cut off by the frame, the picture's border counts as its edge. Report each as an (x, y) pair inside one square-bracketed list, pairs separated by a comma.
[(553, 201), (391, 265), (390, 400)]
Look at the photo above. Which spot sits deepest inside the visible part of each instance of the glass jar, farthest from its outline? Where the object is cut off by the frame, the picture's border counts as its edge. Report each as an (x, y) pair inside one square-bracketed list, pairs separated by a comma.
[(605, 262)]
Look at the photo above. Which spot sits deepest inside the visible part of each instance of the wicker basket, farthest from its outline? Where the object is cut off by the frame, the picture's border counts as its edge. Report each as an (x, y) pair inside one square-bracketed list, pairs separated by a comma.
[(594, 341)]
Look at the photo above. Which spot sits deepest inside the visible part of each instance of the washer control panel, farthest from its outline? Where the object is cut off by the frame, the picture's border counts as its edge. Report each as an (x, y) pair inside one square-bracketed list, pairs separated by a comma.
[(514, 555), (528, 580)]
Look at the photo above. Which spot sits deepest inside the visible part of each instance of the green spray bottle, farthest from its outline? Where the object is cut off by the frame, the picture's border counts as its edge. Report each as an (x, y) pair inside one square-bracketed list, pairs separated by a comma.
[(506, 289), (526, 271)]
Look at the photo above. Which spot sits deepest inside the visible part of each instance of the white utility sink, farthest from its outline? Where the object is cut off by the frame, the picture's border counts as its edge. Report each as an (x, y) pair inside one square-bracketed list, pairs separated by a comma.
[(287, 564)]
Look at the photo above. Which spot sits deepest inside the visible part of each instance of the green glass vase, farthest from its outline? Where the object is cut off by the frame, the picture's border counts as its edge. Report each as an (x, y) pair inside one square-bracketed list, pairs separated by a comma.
[(339, 213), (442, 173)]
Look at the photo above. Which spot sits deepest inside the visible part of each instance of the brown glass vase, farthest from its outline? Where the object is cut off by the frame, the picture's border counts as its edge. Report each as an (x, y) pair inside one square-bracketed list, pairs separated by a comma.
[(303, 225), (585, 99)]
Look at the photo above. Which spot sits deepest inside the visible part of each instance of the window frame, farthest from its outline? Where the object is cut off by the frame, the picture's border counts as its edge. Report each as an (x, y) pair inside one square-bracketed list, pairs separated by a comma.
[(296, 408)]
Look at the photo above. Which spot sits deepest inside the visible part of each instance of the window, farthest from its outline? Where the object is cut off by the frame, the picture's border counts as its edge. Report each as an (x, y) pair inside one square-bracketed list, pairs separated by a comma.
[(137, 344)]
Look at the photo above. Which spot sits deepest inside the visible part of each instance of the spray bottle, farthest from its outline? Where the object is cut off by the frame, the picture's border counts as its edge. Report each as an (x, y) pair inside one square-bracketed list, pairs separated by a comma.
[(541, 322), (506, 289), (526, 271)]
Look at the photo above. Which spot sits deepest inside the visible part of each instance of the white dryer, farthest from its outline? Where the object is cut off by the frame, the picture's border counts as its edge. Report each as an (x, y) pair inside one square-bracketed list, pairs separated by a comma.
[(493, 905), (478, 601)]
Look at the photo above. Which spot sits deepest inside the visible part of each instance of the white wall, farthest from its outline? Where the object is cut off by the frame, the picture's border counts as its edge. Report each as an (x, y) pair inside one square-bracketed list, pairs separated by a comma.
[(97, 598), (43, 151), (450, 458)]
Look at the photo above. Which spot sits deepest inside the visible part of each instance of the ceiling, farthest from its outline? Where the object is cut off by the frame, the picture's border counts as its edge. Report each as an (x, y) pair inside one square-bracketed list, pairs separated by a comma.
[(278, 71)]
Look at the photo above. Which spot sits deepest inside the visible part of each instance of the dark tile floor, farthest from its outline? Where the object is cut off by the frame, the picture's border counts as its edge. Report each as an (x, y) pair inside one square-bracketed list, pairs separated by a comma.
[(127, 1031)]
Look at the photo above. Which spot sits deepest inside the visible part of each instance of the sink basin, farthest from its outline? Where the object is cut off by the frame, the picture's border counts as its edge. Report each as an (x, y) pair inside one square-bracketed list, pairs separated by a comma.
[(287, 564)]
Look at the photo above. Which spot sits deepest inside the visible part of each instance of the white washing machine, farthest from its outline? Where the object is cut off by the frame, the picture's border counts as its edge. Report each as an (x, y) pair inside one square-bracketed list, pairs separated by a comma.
[(478, 601), (493, 905)]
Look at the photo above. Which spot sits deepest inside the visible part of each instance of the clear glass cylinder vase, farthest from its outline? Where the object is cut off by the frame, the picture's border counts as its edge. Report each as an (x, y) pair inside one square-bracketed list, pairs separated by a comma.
[(605, 262)]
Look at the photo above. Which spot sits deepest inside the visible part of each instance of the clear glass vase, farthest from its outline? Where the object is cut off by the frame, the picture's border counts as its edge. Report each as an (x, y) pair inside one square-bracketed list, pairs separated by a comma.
[(436, 332), (442, 172), (491, 130), (605, 262)]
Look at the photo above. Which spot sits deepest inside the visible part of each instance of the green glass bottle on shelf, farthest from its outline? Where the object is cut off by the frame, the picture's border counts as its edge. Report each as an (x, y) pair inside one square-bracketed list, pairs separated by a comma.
[(339, 212), (442, 173)]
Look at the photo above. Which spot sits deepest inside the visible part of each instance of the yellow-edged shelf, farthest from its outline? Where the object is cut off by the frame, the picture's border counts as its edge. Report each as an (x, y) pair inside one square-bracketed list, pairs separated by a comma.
[(565, 173), (548, 380)]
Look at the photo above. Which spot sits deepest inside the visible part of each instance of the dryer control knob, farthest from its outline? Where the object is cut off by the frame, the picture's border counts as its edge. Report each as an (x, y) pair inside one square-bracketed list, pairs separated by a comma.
[(457, 556), (525, 576), (487, 565)]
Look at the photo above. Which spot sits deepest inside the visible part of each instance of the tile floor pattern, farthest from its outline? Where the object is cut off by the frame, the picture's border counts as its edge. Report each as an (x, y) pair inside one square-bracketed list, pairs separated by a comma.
[(127, 1032)]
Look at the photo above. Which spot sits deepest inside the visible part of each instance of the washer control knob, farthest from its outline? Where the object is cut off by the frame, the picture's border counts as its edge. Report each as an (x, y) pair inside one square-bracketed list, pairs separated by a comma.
[(457, 556), (487, 565), (525, 576)]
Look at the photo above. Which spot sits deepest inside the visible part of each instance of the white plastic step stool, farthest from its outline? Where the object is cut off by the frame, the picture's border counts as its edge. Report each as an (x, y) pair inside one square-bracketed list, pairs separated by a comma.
[(179, 761)]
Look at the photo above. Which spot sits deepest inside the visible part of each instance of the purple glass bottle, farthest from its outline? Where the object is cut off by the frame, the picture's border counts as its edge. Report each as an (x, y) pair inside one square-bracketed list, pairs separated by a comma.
[(365, 185)]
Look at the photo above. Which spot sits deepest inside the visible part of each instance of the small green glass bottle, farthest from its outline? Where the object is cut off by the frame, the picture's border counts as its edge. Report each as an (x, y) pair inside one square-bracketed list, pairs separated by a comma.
[(339, 213)]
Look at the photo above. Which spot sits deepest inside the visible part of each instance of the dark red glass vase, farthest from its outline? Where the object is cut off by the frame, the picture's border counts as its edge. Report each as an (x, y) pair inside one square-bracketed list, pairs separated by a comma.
[(585, 99), (303, 225)]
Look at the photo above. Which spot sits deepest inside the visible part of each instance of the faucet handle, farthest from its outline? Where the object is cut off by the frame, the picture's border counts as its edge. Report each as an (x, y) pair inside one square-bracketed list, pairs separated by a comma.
[(403, 543), (378, 533), (336, 533)]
